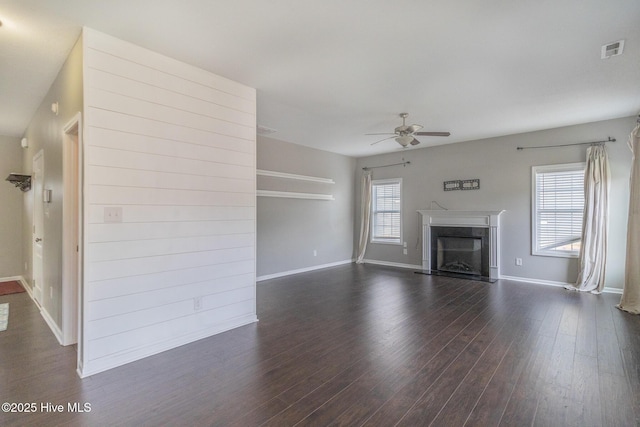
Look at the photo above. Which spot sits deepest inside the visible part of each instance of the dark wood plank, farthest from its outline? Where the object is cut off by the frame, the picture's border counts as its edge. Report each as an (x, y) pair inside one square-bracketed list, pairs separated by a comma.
[(315, 387), (617, 408), (367, 391), (523, 402), (585, 390), (490, 406), (609, 354), (586, 336), (462, 401), (354, 345), (398, 404), (628, 333), (437, 394)]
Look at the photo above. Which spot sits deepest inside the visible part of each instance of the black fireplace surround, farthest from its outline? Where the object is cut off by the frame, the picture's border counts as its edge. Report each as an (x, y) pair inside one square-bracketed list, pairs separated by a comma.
[(460, 250)]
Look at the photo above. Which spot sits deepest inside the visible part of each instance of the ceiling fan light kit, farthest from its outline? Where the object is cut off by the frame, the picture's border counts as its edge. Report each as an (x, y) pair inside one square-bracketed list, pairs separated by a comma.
[(405, 135), (405, 140)]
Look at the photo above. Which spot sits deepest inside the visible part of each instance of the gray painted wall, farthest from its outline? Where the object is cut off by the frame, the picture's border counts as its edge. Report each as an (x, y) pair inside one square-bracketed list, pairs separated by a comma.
[(505, 183), (10, 209), (289, 230), (45, 133)]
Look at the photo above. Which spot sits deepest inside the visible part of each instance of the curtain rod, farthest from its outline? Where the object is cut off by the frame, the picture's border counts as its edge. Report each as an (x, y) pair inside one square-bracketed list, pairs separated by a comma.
[(366, 168), (609, 139)]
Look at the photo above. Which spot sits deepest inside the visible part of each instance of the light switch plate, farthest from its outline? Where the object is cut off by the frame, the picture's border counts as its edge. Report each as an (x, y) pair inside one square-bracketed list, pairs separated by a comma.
[(112, 214)]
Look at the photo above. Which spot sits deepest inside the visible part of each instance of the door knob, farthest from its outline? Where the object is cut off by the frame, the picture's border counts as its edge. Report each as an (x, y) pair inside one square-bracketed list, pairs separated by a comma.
[(38, 239)]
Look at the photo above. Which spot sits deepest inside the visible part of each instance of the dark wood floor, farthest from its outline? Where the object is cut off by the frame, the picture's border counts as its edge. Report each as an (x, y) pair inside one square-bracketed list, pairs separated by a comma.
[(357, 345)]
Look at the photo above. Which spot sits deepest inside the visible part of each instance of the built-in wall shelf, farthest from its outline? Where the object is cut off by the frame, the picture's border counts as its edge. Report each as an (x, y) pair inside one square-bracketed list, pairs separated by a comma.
[(285, 175), (292, 195), (22, 181)]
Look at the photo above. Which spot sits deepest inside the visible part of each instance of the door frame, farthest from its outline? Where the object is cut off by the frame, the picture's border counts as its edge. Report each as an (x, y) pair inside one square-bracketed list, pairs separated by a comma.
[(37, 270), (72, 232)]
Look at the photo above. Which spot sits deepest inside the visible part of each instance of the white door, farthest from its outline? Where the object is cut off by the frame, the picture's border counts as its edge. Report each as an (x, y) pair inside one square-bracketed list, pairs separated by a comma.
[(38, 220)]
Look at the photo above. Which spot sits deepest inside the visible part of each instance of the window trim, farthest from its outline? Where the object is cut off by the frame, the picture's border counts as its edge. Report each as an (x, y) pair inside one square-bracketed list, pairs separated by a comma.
[(534, 208), (372, 238)]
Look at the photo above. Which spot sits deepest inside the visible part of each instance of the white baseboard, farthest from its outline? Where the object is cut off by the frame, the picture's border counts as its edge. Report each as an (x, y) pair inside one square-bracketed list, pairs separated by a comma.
[(12, 278), (21, 280), (606, 290), (45, 315), (26, 286), (52, 324), (93, 367), (302, 270), (393, 264)]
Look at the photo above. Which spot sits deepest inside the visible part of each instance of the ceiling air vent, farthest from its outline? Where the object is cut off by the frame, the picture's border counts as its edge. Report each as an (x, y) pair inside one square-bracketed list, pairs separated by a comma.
[(612, 49)]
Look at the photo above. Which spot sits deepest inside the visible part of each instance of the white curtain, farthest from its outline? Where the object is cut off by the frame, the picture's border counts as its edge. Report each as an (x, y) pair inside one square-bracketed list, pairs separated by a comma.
[(365, 216), (593, 250), (630, 300)]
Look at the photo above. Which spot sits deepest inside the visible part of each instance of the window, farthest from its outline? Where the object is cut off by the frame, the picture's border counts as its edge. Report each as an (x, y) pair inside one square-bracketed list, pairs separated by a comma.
[(386, 212), (558, 203)]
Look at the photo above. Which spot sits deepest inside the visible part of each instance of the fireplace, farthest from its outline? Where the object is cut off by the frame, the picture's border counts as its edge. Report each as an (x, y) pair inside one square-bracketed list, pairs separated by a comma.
[(463, 243), (460, 250)]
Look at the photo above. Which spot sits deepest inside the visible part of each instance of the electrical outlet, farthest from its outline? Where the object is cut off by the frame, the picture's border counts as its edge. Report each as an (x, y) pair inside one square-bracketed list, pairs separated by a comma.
[(51, 292), (26, 266), (112, 214), (197, 303), (519, 262), (404, 251), (315, 252)]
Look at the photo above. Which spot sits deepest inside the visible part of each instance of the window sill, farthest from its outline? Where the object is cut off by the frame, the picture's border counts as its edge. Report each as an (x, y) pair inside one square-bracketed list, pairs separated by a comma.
[(384, 242), (556, 254)]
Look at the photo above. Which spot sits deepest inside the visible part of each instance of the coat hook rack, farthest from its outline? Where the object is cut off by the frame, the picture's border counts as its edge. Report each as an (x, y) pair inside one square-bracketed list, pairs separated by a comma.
[(22, 181)]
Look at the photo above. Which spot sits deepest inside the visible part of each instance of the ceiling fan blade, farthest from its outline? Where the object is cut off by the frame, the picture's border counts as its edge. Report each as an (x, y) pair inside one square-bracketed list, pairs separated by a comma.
[(384, 139), (386, 133), (415, 142), (433, 133), (413, 128)]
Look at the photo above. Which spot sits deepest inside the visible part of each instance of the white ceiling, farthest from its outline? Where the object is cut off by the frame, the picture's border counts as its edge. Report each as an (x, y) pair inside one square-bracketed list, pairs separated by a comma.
[(329, 71)]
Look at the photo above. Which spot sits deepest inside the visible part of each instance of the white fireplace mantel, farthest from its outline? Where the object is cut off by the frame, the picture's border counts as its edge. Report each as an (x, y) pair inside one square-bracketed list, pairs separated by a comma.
[(446, 218)]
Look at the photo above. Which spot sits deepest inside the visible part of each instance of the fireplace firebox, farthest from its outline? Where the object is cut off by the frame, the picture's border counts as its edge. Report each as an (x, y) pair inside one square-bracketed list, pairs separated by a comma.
[(460, 250)]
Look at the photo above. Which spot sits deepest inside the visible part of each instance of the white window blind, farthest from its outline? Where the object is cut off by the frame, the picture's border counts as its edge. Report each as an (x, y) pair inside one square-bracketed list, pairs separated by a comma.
[(558, 204), (386, 214)]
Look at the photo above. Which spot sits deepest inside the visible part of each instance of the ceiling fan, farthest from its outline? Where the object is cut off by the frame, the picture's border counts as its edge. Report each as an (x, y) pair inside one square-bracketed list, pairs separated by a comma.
[(405, 135)]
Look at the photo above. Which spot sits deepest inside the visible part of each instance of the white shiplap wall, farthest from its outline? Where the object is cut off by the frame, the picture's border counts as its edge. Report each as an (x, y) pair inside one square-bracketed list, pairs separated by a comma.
[(174, 147)]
